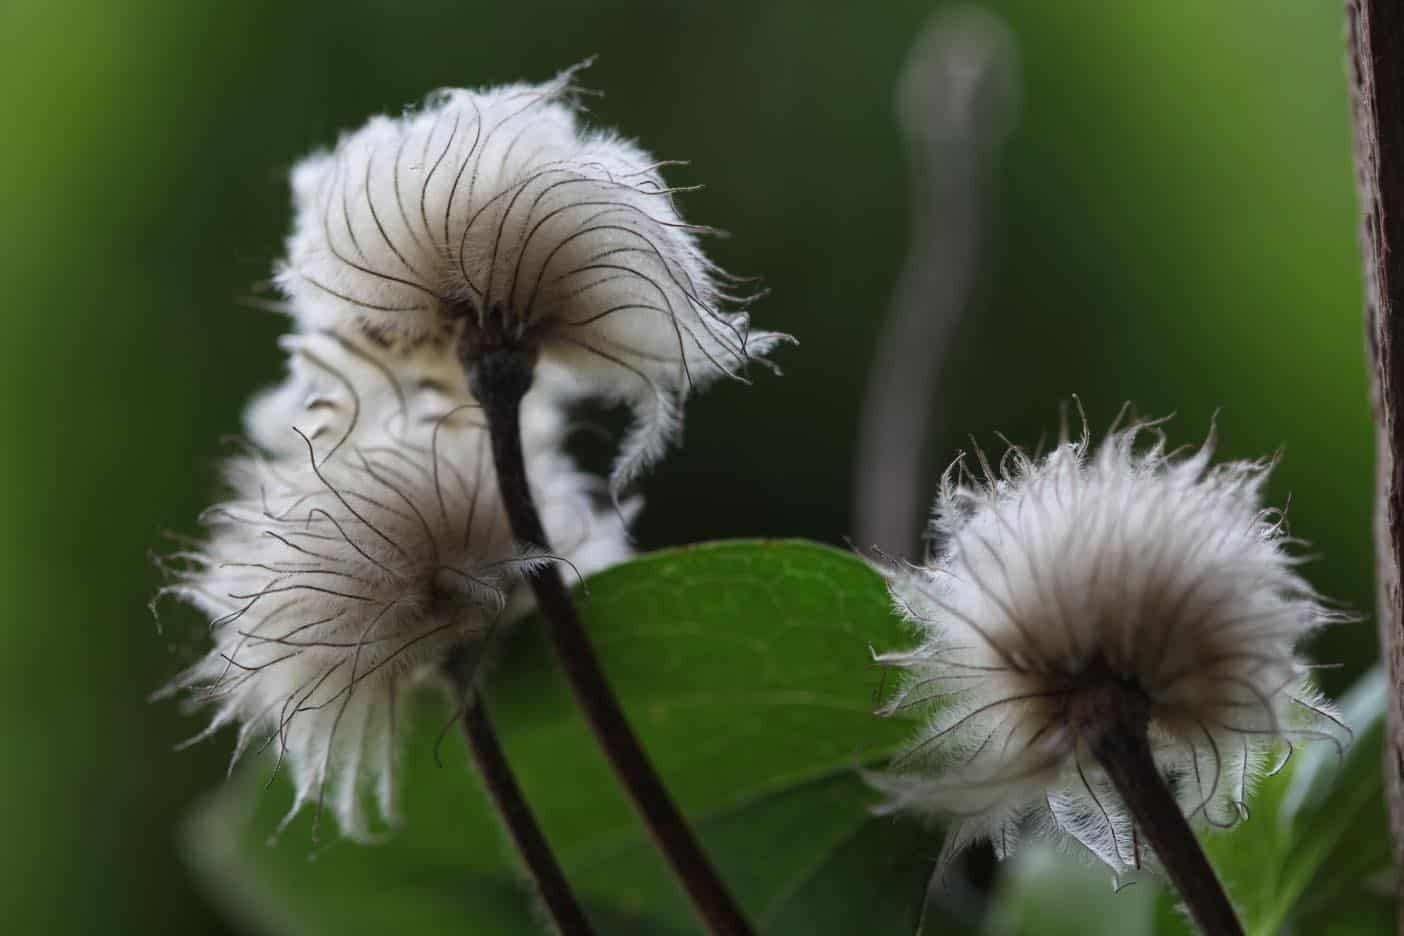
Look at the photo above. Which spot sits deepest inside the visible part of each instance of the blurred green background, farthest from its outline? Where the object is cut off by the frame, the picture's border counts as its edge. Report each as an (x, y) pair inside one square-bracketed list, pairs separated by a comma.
[(1175, 226)]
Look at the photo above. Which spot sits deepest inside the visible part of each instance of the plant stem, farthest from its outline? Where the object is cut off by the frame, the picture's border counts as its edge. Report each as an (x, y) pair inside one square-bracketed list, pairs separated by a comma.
[(1122, 747), (512, 806), (957, 103), (1376, 55), (500, 380)]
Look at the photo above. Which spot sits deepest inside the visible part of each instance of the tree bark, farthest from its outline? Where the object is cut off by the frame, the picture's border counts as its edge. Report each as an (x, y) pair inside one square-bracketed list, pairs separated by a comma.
[(1376, 36)]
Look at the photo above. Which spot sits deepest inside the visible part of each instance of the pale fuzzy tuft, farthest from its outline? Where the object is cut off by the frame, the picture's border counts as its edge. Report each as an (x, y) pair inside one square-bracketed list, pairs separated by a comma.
[(355, 557), (340, 385), (1155, 565), (500, 202)]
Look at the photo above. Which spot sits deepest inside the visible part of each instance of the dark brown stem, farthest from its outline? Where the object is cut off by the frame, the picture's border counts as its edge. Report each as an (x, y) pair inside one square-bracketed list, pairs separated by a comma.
[(1376, 31), (1122, 746), (500, 380), (512, 806)]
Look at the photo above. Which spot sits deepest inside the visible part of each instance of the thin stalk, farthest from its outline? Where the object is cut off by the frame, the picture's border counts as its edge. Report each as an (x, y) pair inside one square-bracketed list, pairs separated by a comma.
[(500, 379), (1123, 749), (957, 103), (550, 881)]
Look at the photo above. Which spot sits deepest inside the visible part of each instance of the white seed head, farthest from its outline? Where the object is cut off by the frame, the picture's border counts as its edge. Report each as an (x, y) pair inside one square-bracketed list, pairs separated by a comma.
[(1054, 575), (499, 206), (352, 560)]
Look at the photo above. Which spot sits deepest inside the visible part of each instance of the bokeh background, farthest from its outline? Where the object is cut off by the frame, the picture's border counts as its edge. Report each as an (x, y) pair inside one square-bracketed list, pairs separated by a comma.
[(1173, 224)]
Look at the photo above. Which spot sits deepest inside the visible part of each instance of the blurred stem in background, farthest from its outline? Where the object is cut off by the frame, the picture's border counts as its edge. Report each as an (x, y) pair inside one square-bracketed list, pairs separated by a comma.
[(1376, 31), (957, 101)]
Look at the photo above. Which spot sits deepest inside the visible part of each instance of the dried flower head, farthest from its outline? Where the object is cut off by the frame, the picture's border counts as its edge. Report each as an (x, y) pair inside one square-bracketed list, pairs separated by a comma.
[(345, 564), (1122, 575), (494, 217)]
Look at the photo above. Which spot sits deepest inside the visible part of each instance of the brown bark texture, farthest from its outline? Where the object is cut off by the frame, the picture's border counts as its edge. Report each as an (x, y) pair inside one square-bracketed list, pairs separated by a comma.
[(1376, 54)]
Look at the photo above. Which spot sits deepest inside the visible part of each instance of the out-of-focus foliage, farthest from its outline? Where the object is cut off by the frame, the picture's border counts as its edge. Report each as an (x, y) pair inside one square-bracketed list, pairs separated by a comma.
[(742, 665), (1176, 226)]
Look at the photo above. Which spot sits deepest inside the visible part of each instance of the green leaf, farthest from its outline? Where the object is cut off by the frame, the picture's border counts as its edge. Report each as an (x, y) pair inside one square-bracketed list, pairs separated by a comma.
[(1314, 857), (1332, 828), (744, 667), (1318, 831)]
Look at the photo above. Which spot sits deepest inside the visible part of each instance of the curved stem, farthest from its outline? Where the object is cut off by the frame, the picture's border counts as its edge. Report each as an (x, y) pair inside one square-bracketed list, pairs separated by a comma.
[(500, 380), (957, 103), (1123, 749), (551, 883)]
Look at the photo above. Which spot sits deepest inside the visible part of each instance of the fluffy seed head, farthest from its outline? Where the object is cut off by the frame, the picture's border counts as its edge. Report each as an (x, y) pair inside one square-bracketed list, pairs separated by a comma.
[(1054, 576), (495, 217), (355, 556)]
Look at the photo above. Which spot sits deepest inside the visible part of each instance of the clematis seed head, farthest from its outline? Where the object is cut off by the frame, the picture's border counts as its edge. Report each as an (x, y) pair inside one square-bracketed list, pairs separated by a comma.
[(495, 219), (362, 542), (1064, 592)]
